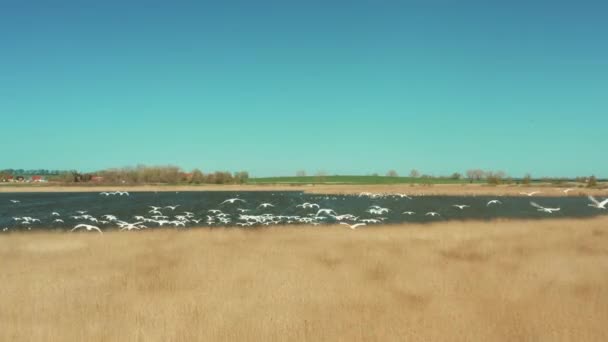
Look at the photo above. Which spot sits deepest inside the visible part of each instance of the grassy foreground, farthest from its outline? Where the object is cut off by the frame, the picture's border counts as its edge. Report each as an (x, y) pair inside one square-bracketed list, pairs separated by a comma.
[(495, 281)]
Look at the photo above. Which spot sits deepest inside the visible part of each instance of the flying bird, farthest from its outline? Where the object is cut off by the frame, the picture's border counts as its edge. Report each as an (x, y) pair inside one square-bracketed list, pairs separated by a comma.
[(530, 194), (377, 210), (353, 226), (128, 226), (15, 201), (88, 227), (265, 205), (460, 206), (493, 202), (543, 209), (232, 200), (432, 213), (326, 212), (597, 204), (307, 205), (408, 213)]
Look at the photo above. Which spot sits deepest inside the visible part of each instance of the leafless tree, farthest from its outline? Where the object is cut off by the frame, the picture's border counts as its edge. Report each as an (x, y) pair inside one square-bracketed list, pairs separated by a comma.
[(197, 176), (475, 174), (591, 182), (320, 176), (456, 176), (495, 177), (241, 177), (142, 174), (392, 173)]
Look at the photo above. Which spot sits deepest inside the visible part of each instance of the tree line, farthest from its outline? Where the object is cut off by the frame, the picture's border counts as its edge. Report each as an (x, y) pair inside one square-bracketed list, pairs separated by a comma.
[(169, 174), (490, 177), (143, 174)]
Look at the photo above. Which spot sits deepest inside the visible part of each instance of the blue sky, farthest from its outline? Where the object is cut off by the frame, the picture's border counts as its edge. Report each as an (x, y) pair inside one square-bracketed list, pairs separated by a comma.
[(274, 87)]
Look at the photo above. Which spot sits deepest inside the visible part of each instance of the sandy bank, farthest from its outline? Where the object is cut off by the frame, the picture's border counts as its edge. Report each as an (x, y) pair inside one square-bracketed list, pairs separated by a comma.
[(441, 189)]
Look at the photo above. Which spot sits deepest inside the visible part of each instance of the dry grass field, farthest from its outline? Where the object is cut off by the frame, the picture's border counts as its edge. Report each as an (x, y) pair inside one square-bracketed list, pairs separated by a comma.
[(478, 281)]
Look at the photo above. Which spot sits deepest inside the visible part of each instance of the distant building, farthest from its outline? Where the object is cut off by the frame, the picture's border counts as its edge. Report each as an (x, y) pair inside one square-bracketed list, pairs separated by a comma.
[(20, 179), (37, 179)]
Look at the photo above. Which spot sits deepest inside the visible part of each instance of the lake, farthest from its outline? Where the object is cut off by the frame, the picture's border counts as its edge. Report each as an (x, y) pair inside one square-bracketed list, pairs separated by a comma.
[(63, 211)]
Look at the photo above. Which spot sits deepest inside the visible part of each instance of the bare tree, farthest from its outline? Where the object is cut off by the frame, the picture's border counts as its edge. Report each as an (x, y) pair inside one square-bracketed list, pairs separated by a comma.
[(392, 173), (414, 173), (475, 174), (301, 173), (241, 177), (320, 176), (197, 176), (591, 182), (495, 177), (142, 174)]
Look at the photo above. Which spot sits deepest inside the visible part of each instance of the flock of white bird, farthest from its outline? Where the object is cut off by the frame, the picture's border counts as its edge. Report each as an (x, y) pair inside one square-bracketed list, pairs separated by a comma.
[(114, 193), (309, 213)]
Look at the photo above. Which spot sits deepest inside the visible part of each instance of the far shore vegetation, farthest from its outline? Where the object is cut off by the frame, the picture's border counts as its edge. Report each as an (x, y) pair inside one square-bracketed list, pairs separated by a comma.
[(174, 175)]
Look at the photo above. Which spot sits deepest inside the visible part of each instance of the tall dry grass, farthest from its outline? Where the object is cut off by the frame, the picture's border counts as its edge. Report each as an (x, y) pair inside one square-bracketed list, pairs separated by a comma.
[(497, 281)]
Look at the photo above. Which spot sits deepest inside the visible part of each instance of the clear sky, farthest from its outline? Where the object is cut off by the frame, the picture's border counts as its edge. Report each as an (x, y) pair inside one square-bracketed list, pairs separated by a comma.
[(349, 87)]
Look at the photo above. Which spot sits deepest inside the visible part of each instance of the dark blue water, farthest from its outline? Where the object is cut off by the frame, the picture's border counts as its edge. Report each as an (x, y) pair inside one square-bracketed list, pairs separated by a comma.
[(39, 206)]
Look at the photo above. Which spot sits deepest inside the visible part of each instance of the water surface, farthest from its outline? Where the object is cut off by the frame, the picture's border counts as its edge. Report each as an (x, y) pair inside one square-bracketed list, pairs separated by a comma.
[(284, 209)]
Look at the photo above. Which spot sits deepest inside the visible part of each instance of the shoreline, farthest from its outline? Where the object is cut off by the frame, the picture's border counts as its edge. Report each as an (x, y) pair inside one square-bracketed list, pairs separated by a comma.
[(330, 189)]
